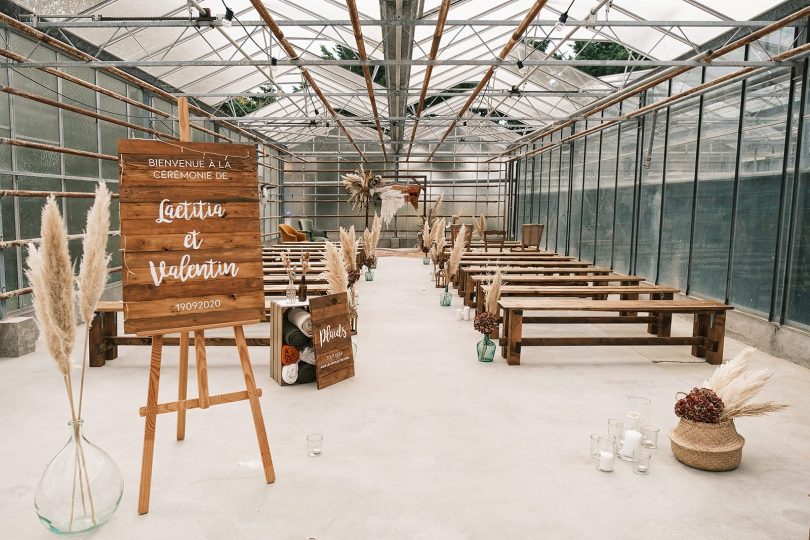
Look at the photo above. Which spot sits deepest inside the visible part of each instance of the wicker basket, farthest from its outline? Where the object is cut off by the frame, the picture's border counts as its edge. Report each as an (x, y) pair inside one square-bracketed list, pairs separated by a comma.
[(708, 447)]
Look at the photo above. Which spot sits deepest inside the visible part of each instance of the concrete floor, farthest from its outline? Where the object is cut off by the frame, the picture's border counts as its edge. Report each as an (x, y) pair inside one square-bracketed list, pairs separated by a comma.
[(425, 442)]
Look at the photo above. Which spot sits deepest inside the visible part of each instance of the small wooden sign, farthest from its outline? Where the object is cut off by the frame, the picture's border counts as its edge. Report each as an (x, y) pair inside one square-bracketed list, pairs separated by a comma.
[(331, 338), (191, 241)]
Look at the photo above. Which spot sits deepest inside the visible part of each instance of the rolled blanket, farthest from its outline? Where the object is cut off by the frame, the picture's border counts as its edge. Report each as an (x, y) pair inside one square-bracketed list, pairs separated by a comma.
[(289, 355), (289, 374), (295, 337), (301, 319), (308, 355), (306, 373)]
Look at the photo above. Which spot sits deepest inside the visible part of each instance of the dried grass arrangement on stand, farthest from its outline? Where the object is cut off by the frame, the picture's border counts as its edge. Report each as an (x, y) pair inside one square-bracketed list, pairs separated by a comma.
[(705, 437), (455, 254), (50, 273), (424, 239), (284, 256)]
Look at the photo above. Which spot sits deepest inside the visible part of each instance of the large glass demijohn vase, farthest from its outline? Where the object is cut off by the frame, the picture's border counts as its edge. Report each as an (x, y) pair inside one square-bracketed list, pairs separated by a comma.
[(446, 298), (80, 488), (486, 349)]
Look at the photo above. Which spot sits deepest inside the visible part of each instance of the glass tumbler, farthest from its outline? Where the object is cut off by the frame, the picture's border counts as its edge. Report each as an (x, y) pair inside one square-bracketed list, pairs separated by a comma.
[(641, 465), (606, 457), (649, 436), (594, 445), (314, 444)]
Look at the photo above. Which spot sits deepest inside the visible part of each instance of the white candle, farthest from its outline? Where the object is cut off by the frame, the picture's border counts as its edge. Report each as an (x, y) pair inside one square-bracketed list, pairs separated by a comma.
[(459, 314), (632, 441), (606, 461), (466, 313)]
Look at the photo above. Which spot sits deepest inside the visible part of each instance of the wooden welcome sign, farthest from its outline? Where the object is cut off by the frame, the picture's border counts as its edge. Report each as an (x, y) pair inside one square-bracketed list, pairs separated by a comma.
[(190, 227), (331, 338), (192, 261)]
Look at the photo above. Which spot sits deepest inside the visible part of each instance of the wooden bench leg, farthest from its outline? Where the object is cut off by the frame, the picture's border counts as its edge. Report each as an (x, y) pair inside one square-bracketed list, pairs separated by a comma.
[(515, 333), (663, 324), (507, 313), (468, 295), (716, 337), (149, 429), (110, 330), (628, 297), (202, 368), (95, 344), (700, 328), (182, 387)]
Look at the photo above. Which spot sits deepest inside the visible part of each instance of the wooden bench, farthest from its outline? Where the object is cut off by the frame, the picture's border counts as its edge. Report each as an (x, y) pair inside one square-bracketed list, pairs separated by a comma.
[(479, 267), (603, 280), (707, 337), (466, 285), (596, 292), (104, 339)]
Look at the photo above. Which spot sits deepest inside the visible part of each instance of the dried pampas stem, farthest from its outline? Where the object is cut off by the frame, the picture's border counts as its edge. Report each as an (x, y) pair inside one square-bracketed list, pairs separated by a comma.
[(348, 245), (335, 273), (93, 269), (480, 226), (458, 250), (433, 211), (494, 292), (753, 409)]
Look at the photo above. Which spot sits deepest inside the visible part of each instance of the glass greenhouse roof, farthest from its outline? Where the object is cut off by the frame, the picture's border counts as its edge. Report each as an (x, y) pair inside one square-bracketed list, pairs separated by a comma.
[(198, 60)]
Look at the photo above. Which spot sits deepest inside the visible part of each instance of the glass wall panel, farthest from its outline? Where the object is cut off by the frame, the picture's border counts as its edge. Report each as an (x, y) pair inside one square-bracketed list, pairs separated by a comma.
[(575, 217), (679, 188), (758, 199), (625, 187), (589, 196), (607, 194)]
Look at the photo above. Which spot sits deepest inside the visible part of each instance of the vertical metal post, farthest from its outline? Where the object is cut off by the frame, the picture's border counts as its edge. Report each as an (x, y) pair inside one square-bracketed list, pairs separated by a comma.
[(582, 195), (792, 217), (736, 193), (663, 187), (695, 188), (598, 186)]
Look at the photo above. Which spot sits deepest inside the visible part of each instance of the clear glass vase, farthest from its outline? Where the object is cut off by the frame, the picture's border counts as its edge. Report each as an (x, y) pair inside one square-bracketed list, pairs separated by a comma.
[(80, 488), (486, 349), (426, 260), (446, 299), (369, 275), (292, 291)]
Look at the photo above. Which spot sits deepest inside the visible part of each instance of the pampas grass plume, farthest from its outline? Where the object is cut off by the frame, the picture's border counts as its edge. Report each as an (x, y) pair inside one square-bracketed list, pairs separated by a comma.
[(494, 292), (348, 245), (93, 267), (335, 273), (51, 276), (457, 251)]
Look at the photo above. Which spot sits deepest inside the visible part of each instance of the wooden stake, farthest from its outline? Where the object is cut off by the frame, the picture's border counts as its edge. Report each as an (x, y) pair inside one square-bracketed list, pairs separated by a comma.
[(182, 114), (202, 368)]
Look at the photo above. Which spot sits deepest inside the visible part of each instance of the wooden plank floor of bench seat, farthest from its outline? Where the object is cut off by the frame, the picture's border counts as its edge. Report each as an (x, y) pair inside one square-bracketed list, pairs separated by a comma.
[(671, 306)]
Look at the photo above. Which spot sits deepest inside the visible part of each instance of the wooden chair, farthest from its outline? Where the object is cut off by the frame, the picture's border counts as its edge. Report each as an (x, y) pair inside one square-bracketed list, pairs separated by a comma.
[(494, 239), (287, 233), (454, 229), (530, 235)]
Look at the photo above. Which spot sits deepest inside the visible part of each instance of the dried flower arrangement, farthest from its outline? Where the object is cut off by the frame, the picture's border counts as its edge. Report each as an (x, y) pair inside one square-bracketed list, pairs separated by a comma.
[(348, 246), (480, 225), (734, 385), (433, 210), (705, 437), (370, 240), (392, 200), (335, 273), (486, 322), (304, 263), (423, 238), (458, 250), (437, 240), (51, 276), (288, 267), (361, 186)]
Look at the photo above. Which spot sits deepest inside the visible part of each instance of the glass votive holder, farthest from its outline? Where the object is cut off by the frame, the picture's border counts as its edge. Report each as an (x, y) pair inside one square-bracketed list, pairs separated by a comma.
[(615, 428), (314, 444), (594, 445), (606, 457), (649, 436), (642, 456), (638, 407)]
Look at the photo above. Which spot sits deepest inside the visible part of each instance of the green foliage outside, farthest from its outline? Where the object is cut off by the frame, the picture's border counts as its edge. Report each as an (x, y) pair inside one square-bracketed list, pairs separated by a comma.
[(341, 52), (244, 105)]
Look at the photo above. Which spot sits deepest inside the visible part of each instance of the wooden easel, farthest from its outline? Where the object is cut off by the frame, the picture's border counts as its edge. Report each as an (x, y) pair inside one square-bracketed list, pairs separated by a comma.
[(204, 400)]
